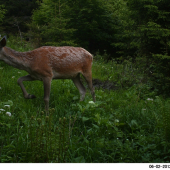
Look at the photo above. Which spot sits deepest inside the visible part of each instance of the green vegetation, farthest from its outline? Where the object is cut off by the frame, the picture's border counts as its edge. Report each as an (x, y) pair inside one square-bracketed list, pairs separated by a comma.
[(2, 12), (128, 124)]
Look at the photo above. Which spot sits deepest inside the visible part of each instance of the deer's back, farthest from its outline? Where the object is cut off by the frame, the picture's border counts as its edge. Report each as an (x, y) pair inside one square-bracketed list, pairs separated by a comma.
[(61, 62)]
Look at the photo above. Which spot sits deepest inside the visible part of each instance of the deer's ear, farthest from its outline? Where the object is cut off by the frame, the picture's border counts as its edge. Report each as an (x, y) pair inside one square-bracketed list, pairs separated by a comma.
[(3, 42)]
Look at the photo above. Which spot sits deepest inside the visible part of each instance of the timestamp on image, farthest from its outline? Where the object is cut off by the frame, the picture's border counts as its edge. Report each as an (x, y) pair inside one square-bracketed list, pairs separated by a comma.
[(159, 166)]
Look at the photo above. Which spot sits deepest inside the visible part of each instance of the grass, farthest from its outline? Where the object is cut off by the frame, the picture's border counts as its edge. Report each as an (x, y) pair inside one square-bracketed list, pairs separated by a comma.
[(125, 125)]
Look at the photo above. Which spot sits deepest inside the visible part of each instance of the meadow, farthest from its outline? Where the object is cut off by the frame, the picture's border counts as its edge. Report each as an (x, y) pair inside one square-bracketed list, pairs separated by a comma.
[(127, 123)]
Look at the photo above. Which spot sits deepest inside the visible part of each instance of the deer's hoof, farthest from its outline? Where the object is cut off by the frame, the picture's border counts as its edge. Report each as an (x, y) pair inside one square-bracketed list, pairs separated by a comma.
[(31, 96)]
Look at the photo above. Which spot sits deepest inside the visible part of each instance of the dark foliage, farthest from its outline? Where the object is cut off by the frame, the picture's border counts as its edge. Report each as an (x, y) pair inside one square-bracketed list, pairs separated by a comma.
[(18, 13)]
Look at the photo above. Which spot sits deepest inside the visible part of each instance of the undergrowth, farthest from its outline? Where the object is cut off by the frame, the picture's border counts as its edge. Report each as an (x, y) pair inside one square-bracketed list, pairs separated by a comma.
[(129, 124)]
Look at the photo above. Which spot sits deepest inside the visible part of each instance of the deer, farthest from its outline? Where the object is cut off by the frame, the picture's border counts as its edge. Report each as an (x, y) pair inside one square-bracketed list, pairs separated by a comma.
[(49, 62)]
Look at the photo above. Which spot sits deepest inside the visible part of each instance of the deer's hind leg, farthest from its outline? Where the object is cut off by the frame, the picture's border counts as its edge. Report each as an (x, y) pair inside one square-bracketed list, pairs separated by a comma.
[(47, 89), (79, 86), (88, 77), (20, 83)]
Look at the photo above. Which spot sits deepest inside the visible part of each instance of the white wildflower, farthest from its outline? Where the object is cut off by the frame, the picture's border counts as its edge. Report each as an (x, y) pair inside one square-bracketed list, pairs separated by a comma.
[(117, 120), (7, 105), (19, 72), (8, 113), (2, 110), (149, 99), (91, 102), (13, 77)]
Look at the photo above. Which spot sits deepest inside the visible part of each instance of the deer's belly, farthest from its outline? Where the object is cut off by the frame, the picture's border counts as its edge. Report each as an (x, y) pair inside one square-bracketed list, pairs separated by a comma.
[(66, 75)]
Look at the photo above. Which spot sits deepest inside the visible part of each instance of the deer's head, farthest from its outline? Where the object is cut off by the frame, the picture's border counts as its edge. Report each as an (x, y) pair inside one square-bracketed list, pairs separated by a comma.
[(2, 44)]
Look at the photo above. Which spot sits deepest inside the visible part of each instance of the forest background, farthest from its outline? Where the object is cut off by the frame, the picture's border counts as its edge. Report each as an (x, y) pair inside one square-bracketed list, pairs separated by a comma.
[(130, 41)]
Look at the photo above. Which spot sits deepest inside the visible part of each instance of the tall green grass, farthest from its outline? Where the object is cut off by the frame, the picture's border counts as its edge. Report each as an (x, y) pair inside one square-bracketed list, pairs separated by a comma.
[(125, 125)]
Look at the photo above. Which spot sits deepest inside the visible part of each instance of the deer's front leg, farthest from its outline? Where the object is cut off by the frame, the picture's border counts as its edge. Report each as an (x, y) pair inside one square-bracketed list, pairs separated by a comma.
[(20, 82), (47, 89)]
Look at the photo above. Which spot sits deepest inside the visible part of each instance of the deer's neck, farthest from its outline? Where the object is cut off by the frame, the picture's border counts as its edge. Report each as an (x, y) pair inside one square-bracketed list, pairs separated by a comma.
[(16, 59)]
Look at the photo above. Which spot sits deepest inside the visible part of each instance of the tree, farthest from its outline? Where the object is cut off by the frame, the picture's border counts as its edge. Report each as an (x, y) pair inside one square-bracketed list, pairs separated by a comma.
[(51, 24), (152, 25), (94, 23), (124, 40), (151, 37), (2, 13), (91, 24), (18, 12)]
